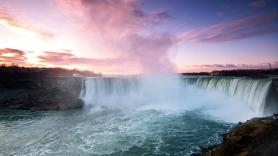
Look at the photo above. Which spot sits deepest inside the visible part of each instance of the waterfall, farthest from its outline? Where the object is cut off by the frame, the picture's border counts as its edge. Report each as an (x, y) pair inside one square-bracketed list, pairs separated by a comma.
[(97, 89), (118, 90), (253, 92)]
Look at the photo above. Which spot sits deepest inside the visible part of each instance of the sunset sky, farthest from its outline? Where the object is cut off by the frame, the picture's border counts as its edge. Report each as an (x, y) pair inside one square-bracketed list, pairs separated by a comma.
[(140, 36)]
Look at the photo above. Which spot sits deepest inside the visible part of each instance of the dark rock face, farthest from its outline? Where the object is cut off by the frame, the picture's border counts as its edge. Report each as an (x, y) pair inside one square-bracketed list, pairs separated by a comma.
[(49, 93), (256, 137), (272, 99)]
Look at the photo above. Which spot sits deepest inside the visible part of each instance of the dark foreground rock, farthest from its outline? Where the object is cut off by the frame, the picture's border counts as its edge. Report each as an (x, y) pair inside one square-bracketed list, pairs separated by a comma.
[(256, 137), (48, 93)]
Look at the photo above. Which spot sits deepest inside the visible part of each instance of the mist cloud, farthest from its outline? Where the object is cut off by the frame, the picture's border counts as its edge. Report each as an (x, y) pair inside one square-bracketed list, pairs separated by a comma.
[(124, 27)]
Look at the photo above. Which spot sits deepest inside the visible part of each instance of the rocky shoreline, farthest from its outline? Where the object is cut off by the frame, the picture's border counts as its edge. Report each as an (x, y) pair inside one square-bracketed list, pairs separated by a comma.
[(255, 137)]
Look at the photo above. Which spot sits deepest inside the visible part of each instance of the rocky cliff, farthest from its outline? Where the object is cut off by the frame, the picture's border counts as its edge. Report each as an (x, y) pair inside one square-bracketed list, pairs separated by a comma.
[(48, 93), (256, 137)]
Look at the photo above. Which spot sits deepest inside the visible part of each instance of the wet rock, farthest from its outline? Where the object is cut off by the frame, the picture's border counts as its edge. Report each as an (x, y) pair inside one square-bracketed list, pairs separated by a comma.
[(256, 137)]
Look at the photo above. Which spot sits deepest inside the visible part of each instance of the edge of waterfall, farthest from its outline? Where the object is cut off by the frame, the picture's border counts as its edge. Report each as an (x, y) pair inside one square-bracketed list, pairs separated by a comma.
[(259, 94)]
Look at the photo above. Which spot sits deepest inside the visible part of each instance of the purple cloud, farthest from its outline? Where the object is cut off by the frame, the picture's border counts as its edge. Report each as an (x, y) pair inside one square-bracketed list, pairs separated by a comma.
[(257, 4), (256, 25)]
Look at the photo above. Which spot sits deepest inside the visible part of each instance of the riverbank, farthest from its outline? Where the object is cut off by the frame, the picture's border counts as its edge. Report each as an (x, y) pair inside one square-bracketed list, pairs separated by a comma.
[(48, 93), (255, 137), (33, 88)]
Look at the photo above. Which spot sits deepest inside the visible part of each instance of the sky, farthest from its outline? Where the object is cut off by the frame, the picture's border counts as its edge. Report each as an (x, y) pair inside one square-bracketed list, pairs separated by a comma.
[(140, 36)]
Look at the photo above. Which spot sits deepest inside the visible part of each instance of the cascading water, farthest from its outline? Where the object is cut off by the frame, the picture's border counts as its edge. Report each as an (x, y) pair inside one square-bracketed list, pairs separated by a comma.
[(253, 92), (96, 90), (129, 92), (171, 92)]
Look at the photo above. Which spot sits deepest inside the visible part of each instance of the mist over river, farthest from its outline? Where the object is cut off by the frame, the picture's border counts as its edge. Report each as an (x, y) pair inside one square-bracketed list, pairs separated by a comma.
[(128, 116)]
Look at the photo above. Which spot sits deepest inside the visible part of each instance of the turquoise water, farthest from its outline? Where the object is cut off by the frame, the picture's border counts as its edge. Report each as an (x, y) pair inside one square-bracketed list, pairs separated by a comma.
[(83, 132)]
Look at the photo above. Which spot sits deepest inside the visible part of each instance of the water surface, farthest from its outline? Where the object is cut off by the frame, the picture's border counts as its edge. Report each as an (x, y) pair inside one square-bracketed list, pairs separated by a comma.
[(81, 132)]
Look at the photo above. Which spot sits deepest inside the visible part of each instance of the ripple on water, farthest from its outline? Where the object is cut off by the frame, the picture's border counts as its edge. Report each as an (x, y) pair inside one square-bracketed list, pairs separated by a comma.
[(80, 132)]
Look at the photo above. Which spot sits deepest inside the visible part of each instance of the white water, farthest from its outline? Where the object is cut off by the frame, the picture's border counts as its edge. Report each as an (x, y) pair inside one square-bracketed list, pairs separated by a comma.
[(168, 94), (252, 92)]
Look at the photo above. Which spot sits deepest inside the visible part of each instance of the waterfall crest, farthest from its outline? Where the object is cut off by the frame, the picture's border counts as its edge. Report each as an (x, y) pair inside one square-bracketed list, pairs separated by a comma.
[(252, 92), (97, 89)]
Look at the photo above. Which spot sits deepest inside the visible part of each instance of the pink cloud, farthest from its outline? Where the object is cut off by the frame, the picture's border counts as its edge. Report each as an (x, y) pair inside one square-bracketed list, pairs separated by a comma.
[(124, 28), (12, 57), (250, 26), (8, 20), (62, 58), (117, 17)]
